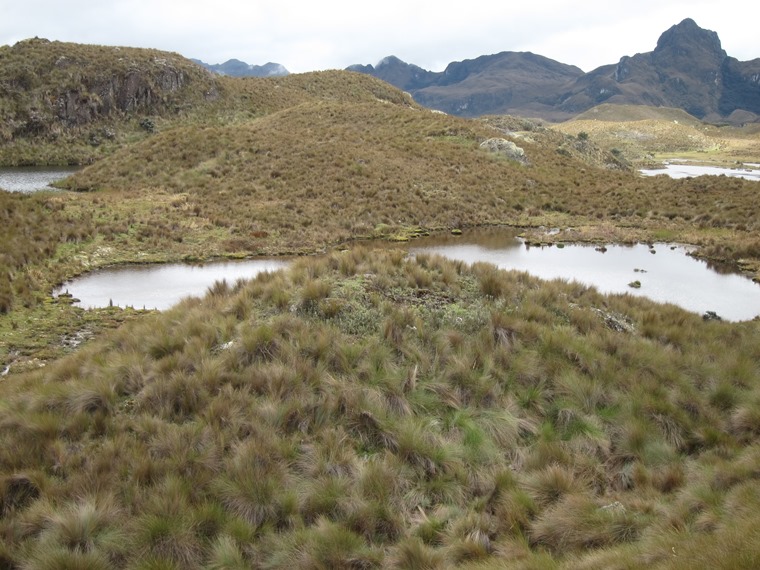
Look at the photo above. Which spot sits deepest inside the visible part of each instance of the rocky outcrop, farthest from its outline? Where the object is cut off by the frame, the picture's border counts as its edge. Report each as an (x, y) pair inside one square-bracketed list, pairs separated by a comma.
[(504, 148), (49, 87), (132, 92)]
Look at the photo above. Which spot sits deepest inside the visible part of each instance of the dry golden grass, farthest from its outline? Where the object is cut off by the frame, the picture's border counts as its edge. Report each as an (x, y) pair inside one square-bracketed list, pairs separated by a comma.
[(240, 431), (363, 409), (648, 134)]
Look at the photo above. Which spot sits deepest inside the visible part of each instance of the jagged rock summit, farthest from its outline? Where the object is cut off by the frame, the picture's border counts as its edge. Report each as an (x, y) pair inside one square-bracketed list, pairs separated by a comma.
[(688, 69), (237, 68)]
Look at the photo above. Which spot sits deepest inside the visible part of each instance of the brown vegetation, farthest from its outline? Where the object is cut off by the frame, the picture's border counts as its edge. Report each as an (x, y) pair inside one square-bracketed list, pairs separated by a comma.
[(366, 409), (365, 423)]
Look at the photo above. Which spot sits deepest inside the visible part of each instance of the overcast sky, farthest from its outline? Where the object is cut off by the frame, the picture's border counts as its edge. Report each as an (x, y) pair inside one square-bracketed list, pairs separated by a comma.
[(307, 35)]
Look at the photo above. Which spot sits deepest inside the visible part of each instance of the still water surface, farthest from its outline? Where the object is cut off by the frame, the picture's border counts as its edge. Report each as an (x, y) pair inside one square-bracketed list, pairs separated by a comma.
[(32, 178), (692, 170), (668, 275), (159, 286)]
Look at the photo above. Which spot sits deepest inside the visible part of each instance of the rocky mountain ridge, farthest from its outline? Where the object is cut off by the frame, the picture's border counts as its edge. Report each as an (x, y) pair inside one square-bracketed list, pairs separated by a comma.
[(688, 69), (237, 68)]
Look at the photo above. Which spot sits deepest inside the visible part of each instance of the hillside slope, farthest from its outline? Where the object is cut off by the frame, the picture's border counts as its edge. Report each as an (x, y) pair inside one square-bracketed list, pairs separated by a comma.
[(641, 133), (65, 103), (368, 410)]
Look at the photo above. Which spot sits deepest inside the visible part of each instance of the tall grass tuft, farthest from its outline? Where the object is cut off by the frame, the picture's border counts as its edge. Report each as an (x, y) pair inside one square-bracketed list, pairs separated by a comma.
[(577, 522), (413, 554)]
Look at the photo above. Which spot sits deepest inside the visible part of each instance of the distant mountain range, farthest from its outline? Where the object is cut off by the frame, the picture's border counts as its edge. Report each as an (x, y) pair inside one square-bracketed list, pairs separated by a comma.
[(688, 69), (237, 68)]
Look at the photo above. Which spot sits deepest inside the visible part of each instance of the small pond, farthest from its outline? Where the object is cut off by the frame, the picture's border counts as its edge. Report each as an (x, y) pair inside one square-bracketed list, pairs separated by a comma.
[(692, 170), (32, 178), (159, 286), (666, 273)]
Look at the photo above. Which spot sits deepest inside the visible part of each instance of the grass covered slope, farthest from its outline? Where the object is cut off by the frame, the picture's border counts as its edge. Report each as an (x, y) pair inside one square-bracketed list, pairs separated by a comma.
[(328, 171), (366, 409), (643, 134), (68, 103)]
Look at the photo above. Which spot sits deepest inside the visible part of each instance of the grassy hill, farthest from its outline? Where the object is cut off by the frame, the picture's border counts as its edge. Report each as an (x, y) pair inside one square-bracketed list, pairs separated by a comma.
[(328, 172), (364, 408), (367, 410), (66, 103)]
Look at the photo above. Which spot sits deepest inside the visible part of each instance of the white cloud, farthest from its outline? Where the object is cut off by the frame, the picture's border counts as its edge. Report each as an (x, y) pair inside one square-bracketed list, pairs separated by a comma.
[(304, 35)]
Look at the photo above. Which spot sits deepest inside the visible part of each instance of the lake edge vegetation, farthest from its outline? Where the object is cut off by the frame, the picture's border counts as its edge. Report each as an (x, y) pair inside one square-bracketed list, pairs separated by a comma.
[(370, 408), (363, 408)]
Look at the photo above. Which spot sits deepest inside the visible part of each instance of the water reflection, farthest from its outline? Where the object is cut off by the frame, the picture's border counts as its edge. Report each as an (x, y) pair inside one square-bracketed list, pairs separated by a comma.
[(666, 273), (159, 286), (692, 170), (32, 178)]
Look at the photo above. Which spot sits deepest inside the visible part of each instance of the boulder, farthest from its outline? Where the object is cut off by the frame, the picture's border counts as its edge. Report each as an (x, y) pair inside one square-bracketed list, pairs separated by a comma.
[(505, 148)]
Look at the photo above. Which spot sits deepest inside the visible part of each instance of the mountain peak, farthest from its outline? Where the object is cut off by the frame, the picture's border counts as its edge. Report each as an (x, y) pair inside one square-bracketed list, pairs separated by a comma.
[(688, 37), (687, 69), (237, 68), (390, 60)]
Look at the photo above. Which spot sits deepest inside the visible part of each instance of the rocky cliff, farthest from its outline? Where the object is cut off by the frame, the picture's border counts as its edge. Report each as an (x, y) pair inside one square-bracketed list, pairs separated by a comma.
[(50, 88)]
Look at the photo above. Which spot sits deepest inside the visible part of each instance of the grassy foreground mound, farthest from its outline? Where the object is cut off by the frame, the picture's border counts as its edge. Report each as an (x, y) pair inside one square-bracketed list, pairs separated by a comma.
[(365, 409)]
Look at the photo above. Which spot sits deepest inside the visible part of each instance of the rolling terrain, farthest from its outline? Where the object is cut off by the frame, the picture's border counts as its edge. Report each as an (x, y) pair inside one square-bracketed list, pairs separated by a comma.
[(363, 408)]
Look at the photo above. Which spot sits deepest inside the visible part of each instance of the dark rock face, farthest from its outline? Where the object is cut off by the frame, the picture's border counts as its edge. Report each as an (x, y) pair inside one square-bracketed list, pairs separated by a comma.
[(47, 87), (688, 69), (127, 93), (741, 86)]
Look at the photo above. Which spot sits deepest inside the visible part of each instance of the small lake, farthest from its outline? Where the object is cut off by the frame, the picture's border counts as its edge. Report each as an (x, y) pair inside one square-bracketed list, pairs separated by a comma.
[(692, 170), (668, 276), (32, 178), (159, 286)]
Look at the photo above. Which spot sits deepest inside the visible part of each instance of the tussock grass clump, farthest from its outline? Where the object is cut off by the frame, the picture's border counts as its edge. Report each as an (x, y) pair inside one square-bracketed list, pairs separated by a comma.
[(434, 422)]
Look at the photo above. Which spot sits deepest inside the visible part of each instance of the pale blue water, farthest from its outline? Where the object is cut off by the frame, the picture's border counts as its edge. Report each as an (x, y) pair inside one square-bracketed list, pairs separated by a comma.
[(159, 286), (691, 170), (669, 275), (32, 178)]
